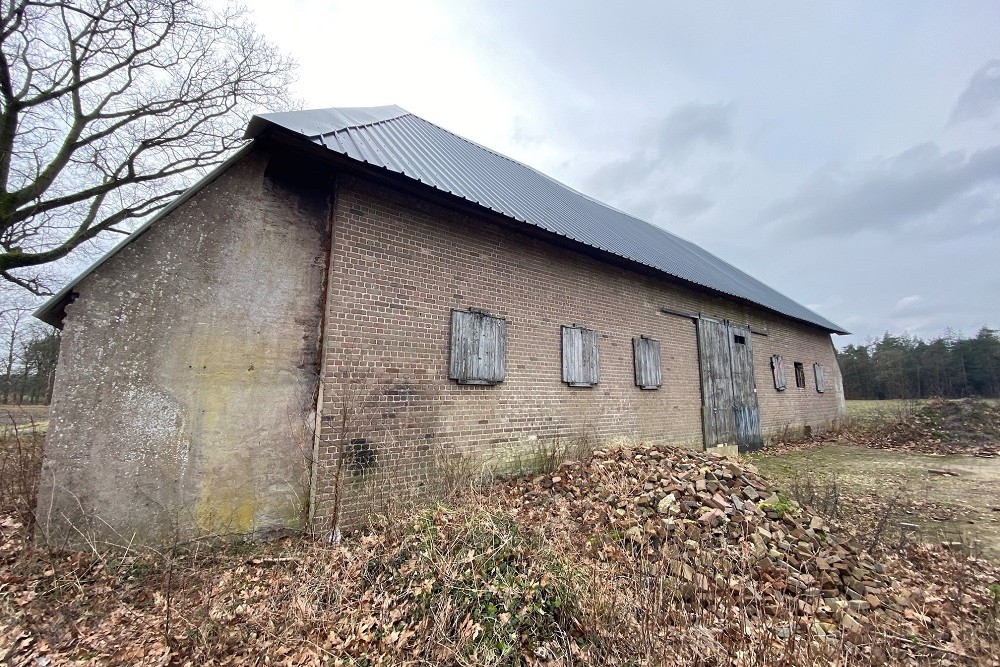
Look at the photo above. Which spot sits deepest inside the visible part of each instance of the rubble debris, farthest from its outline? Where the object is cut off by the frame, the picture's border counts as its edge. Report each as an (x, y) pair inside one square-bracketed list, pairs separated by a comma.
[(703, 512)]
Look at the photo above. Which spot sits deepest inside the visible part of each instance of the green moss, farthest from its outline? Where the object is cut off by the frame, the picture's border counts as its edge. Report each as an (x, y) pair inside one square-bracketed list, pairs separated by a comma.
[(784, 506)]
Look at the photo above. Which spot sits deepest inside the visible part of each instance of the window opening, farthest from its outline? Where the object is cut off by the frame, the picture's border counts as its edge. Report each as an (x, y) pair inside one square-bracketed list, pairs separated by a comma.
[(478, 347), (580, 356), (648, 367)]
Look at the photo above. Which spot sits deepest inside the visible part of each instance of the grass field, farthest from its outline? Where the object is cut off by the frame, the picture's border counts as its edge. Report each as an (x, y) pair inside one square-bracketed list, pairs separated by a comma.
[(961, 506), (925, 497), (24, 416), (897, 407)]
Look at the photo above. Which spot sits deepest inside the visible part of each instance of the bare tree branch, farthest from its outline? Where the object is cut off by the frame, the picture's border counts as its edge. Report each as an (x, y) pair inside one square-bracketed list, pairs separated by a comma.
[(109, 107)]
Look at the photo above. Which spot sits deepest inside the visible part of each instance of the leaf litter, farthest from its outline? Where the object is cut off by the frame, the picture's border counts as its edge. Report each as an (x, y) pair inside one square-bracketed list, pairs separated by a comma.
[(647, 555)]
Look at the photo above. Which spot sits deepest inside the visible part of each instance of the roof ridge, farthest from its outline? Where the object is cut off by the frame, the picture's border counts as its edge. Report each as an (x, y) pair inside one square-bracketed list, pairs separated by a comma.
[(369, 124)]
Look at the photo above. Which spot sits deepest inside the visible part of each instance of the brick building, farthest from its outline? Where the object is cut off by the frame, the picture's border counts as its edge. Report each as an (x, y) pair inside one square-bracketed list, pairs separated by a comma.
[(360, 305)]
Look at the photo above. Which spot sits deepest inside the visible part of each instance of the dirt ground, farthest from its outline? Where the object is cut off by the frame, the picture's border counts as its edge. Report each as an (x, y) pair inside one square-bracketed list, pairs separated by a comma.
[(947, 498)]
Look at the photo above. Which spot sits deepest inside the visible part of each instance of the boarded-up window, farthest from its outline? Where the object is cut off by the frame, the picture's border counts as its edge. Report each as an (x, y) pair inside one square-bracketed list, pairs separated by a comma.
[(820, 378), (778, 371), (478, 348), (580, 357), (648, 369), (800, 375)]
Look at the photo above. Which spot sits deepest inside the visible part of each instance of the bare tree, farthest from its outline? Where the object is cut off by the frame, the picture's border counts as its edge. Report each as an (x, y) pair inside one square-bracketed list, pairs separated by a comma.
[(109, 107), (12, 324)]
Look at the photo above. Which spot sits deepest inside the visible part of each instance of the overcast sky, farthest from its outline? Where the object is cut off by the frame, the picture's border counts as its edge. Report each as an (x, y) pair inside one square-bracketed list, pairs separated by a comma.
[(846, 154)]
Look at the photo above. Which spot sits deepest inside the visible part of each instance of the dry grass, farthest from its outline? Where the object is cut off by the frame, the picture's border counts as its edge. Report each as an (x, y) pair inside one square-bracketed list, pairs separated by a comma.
[(477, 579), (907, 466), (21, 443), (463, 585)]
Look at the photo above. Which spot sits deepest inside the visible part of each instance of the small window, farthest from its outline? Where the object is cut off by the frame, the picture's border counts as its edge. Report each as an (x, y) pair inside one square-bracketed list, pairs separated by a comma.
[(800, 375), (778, 371), (478, 347), (820, 378), (580, 357), (740, 340), (648, 368)]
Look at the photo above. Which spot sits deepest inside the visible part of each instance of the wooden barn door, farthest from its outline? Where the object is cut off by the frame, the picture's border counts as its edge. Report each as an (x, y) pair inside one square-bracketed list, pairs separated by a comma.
[(718, 416), (730, 415)]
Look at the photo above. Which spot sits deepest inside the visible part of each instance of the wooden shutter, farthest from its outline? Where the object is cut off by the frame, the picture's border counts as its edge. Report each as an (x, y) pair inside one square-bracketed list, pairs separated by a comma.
[(580, 357), (820, 378), (648, 369), (478, 348), (778, 371)]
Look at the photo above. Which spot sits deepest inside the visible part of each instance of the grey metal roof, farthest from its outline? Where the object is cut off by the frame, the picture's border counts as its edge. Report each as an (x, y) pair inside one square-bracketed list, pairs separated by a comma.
[(392, 138)]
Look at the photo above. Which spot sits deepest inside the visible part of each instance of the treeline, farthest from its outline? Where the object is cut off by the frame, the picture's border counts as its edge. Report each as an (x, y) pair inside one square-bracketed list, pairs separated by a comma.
[(28, 354), (907, 367)]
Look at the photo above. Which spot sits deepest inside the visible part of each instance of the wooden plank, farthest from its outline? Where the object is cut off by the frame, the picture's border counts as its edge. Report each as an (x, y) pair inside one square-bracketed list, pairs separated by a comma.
[(637, 362), (646, 359), (496, 370), (571, 355), (746, 411), (778, 372), (591, 357), (715, 362), (648, 364), (820, 378), (459, 346), (478, 348), (580, 357)]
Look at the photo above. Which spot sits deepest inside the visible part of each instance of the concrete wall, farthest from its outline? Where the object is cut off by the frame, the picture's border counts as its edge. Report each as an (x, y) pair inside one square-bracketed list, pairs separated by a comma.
[(392, 421), (188, 370)]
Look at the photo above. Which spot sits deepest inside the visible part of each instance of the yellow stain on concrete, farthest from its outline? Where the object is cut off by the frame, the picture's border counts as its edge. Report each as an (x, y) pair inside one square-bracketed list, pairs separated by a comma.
[(232, 385)]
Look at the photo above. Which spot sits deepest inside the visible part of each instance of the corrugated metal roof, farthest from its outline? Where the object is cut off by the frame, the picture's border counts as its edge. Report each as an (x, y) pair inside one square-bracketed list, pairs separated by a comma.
[(392, 138)]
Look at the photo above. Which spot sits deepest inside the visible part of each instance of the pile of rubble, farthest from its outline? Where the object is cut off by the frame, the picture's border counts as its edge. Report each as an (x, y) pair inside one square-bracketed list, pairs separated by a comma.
[(960, 426), (712, 522)]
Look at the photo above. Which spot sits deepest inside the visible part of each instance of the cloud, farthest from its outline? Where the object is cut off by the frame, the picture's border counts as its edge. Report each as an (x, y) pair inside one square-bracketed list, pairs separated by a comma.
[(687, 126), (667, 142), (686, 205), (908, 303), (936, 193), (671, 171), (981, 98)]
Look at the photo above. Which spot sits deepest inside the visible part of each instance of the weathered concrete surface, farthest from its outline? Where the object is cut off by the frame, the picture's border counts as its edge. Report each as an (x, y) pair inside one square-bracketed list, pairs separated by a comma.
[(187, 375)]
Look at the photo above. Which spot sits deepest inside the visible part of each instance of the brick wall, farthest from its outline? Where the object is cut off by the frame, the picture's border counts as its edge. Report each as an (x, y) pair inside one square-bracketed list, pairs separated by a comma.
[(399, 264)]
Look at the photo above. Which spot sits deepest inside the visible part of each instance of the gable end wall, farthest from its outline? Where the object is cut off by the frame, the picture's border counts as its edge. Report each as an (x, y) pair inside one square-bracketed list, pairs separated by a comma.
[(185, 392)]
